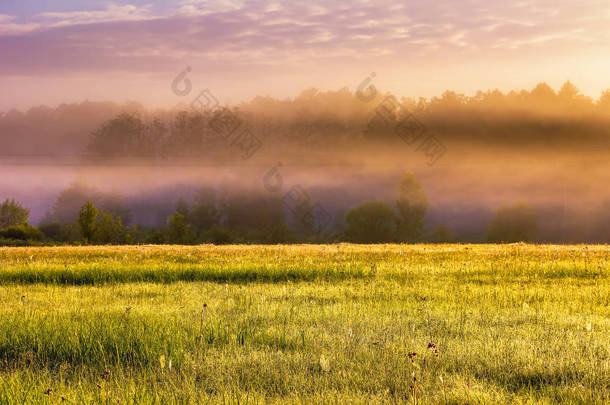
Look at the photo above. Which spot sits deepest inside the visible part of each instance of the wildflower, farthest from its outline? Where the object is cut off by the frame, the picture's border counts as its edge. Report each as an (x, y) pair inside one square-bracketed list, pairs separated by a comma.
[(431, 345), (412, 356), (98, 386), (324, 364), (205, 305), (63, 398), (468, 385)]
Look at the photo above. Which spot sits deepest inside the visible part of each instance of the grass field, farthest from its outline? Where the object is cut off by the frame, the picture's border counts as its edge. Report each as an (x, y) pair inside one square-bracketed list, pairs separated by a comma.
[(305, 324)]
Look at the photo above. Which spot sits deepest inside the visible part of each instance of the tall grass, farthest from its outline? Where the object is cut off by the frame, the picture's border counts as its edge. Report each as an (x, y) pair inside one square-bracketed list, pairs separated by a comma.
[(305, 324)]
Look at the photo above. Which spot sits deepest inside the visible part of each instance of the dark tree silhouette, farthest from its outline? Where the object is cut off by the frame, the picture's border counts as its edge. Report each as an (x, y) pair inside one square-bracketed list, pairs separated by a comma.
[(12, 213), (513, 223), (371, 222), (412, 205), (86, 221)]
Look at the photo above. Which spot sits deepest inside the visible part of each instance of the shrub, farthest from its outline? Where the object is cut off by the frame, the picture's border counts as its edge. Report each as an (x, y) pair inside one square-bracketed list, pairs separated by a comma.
[(440, 234), (371, 222), (22, 232), (219, 235), (513, 223), (86, 221), (412, 205), (12, 214), (52, 230)]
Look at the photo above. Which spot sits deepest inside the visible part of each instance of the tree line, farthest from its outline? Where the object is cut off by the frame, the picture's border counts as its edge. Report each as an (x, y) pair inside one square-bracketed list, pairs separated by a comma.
[(246, 216), (321, 119), (314, 118)]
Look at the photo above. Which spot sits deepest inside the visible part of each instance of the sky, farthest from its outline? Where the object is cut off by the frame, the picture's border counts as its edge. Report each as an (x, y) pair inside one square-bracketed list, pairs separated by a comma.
[(58, 51)]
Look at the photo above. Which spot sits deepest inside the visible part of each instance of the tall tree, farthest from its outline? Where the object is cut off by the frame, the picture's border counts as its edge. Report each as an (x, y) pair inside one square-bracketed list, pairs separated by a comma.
[(568, 91), (12, 213), (179, 231), (86, 221), (109, 229), (204, 212), (604, 101), (412, 205), (70, 201)]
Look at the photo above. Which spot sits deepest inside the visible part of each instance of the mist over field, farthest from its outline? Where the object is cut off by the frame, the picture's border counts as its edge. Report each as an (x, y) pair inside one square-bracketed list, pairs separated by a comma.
[(545, 148), (281, 202)]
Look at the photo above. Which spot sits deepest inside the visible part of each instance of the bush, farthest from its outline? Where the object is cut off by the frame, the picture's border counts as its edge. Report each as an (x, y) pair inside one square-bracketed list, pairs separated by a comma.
[(22, 232), (440, 234), (13, 214), (256, 216), (371, 222), (219, 235), (61, 232), (12, 242), (513, 223), (52, 230)]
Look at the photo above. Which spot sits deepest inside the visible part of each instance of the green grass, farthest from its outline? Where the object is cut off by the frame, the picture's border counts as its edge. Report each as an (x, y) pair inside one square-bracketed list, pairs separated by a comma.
[(305, 324)]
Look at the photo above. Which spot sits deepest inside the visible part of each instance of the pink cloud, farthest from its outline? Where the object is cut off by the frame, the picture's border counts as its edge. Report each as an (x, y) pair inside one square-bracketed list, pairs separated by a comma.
[(286, 41)]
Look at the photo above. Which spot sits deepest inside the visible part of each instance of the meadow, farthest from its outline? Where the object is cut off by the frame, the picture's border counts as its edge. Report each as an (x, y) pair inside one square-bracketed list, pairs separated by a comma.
[(427, 324)]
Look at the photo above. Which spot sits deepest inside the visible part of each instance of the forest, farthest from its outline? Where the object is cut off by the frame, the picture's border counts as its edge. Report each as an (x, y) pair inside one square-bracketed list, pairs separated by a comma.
[(234, 155), (314, 119)]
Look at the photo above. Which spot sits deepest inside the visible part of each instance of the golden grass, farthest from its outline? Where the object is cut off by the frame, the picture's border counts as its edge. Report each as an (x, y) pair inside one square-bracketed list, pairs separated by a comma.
[(305, 324)]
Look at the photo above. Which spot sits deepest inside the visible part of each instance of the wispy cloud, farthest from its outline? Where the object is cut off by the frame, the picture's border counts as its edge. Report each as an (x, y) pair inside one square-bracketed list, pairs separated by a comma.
[(261, 30), (229, 35), (205, 7), (113, 12), (8, 25)]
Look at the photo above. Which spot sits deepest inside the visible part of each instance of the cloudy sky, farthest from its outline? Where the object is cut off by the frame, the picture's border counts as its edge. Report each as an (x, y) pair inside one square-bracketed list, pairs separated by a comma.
[(72, 50)]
